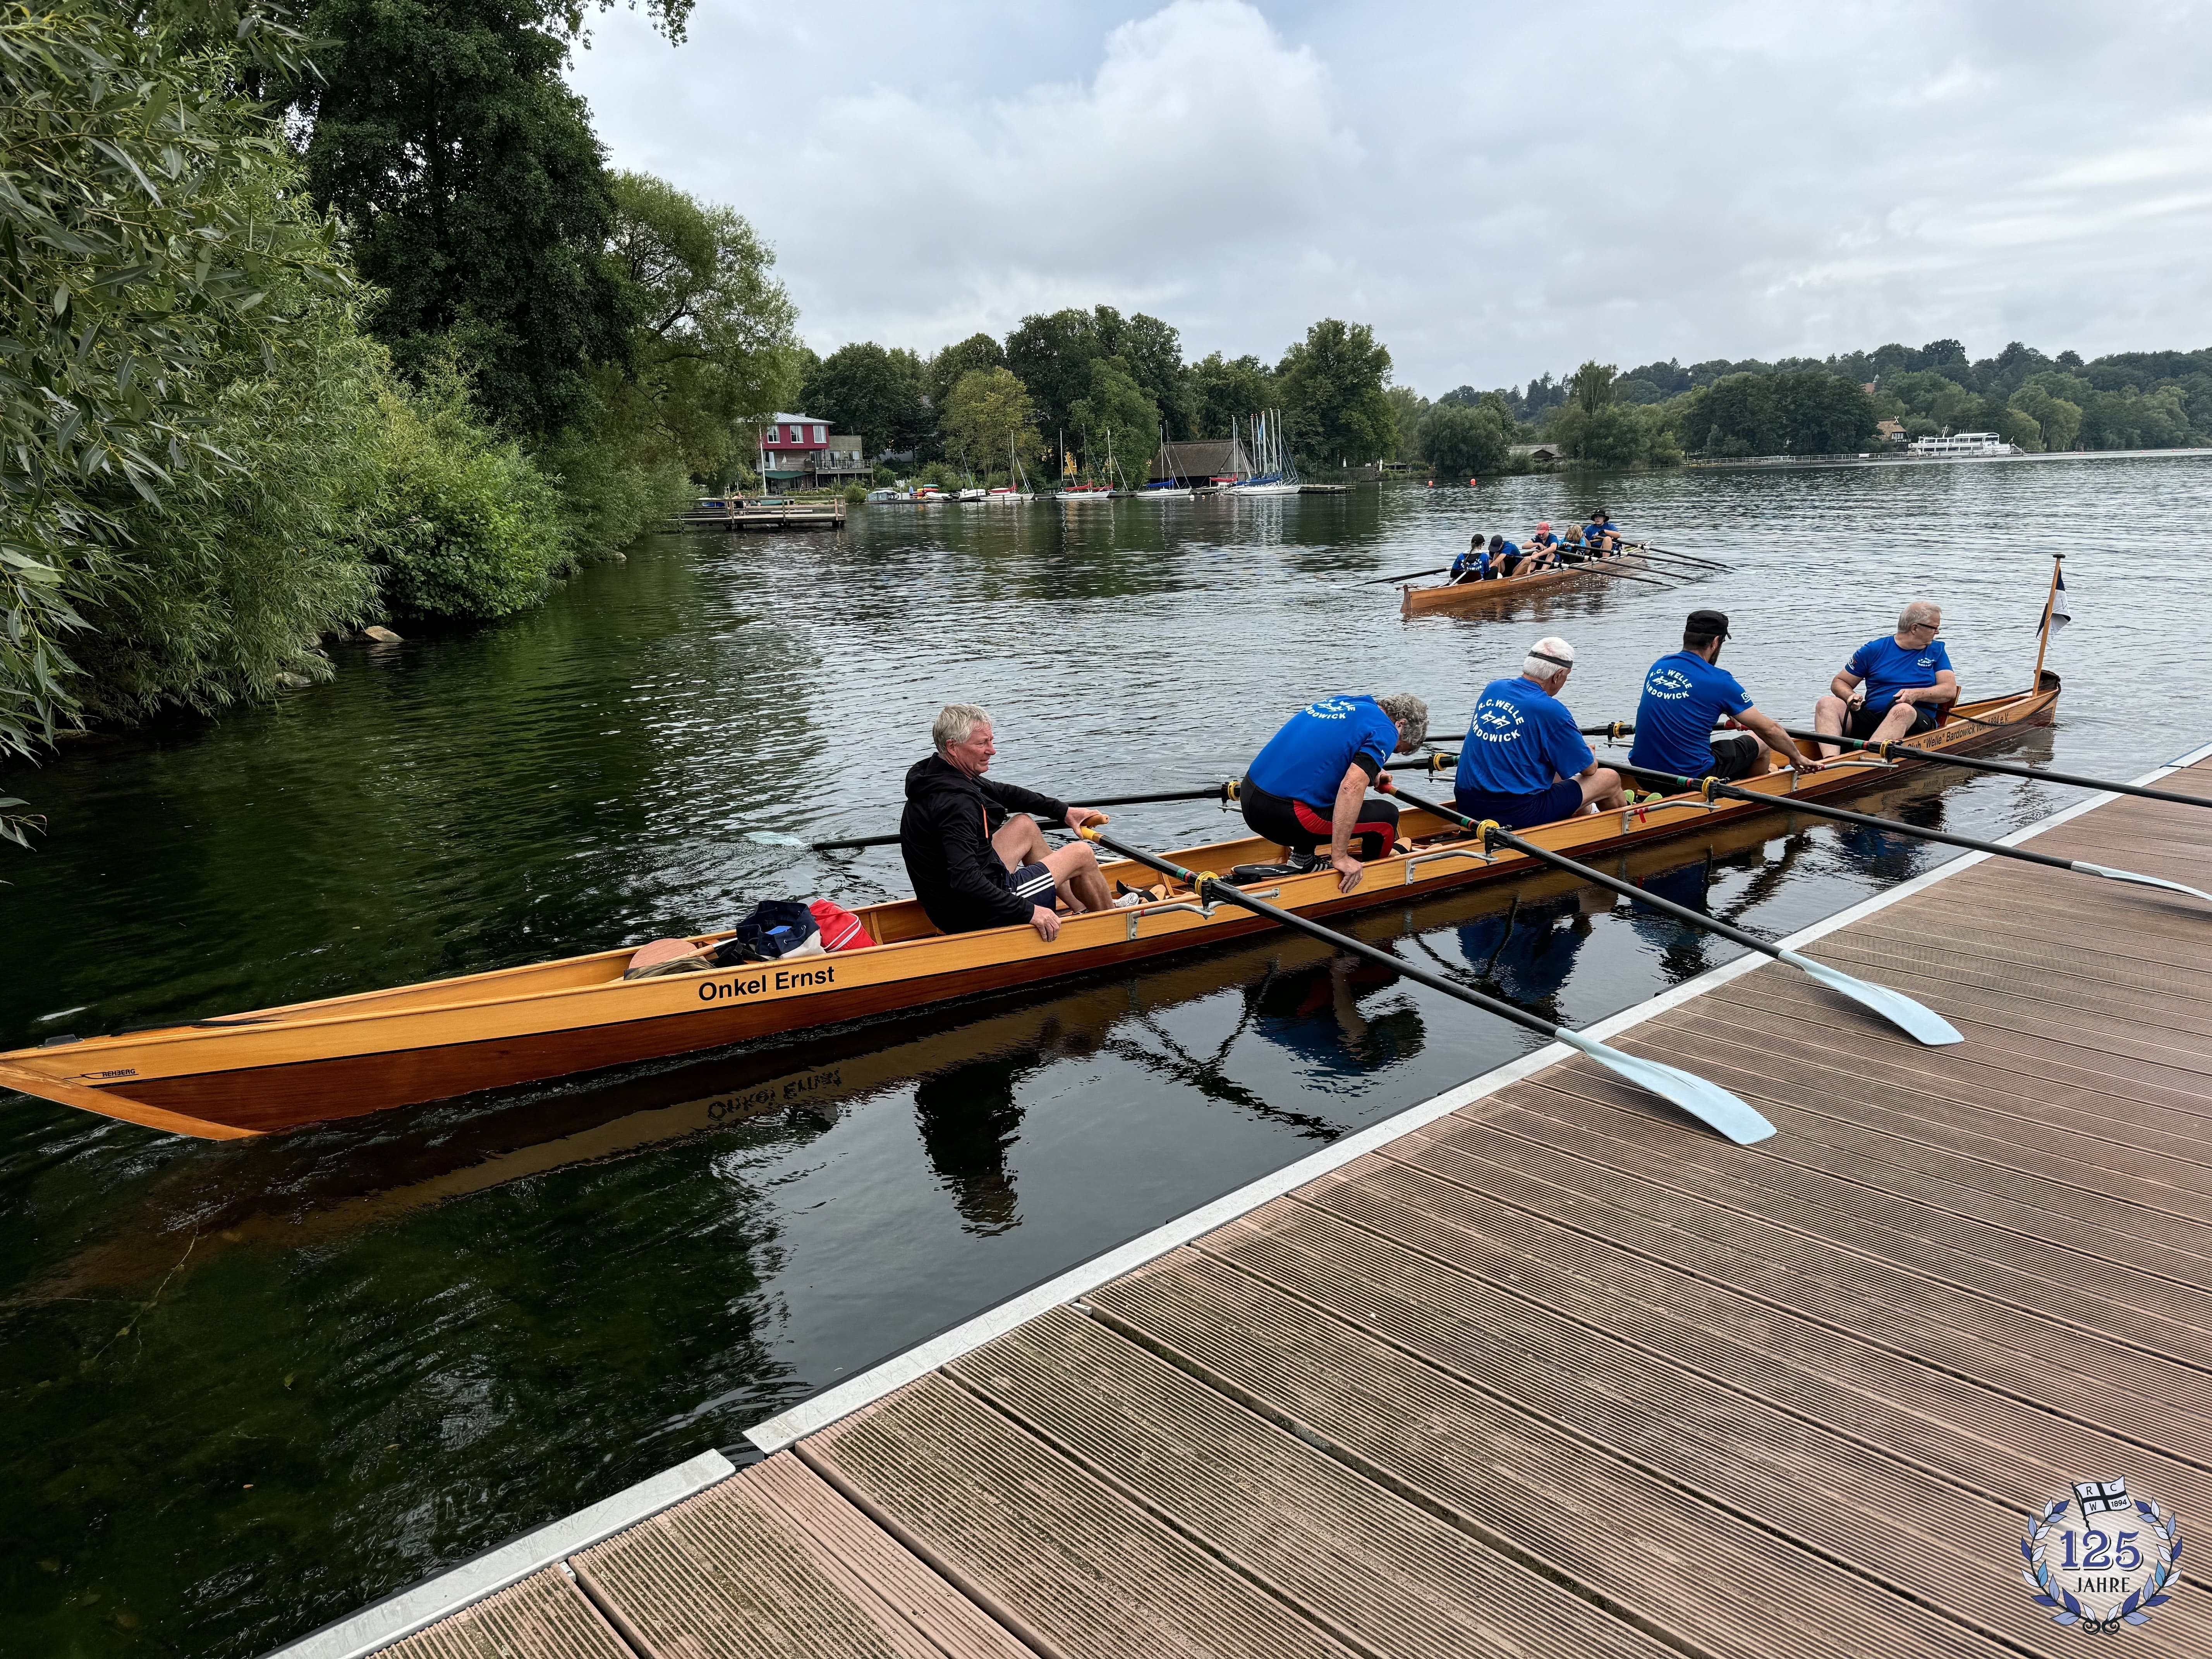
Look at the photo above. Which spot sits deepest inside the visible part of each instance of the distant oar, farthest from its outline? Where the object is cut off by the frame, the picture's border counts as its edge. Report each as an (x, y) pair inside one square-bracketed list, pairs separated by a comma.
[(1687, 558), (1707, 1102), (776, 838), (1711, 786), (1899, 1010), (1604, 570), (1891, 751), (1406, 576)]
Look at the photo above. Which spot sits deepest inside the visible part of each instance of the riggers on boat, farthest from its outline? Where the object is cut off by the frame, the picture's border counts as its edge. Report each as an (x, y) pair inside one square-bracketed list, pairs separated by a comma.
[(277, 1068), (1475, 596)]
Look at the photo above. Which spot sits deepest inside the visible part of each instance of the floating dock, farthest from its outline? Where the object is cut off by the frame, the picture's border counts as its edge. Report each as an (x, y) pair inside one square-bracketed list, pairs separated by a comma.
[(761, 515), (1540, 1367)]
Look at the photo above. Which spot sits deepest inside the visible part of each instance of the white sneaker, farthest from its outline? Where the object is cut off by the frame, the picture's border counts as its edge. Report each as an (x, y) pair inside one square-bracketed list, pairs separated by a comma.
[(1128, 900)]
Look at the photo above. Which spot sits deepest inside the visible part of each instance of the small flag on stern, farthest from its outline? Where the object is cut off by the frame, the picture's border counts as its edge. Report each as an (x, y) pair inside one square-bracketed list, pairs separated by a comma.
[(2057, 616), (2101, 1497)]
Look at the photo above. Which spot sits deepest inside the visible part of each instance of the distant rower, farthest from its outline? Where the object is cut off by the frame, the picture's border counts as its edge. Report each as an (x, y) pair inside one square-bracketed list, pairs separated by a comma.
[(1309, 784), (1601, 534), (1907, 679), (1686, 695), (1523, 762), (1474, 565)]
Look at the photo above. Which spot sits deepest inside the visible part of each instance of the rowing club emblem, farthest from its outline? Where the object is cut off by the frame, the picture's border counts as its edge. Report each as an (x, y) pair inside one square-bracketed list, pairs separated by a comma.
[(2101, 1558)]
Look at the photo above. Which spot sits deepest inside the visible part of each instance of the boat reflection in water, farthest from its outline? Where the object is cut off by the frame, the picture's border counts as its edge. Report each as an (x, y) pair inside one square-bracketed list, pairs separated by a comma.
[(1336, 1019)]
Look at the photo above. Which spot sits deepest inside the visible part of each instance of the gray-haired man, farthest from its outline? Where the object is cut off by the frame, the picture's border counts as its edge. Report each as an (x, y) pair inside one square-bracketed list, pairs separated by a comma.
[(975, 856), (1902, 684)]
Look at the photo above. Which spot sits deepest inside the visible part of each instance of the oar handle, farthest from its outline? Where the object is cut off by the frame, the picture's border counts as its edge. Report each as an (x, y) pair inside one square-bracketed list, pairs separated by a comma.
[(1495, 834), (1224, 793), (1212, 889), (2008, 769)]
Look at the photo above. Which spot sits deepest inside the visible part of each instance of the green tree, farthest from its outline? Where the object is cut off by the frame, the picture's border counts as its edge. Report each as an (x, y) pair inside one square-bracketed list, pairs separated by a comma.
[(1408, 410), (1460, 442), (712, 350), (989, 417), (1592, 387), (476, 197), (2058, 422), (135, 261), (1220, 391), (878, 392), (949, 367), (1331, 387), (1051, 354), (1152, 351), (1117, 417)]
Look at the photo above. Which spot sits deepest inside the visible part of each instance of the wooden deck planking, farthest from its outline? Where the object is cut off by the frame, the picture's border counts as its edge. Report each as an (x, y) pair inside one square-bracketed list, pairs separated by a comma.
[(1561, 1372)]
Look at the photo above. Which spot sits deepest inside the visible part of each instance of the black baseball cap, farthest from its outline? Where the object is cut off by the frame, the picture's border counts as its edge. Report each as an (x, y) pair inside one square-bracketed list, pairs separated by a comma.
[(1712, 623)]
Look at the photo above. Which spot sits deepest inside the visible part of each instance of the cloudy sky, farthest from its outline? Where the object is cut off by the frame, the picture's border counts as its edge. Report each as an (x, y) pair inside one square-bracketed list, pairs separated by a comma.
[(1499, 189)]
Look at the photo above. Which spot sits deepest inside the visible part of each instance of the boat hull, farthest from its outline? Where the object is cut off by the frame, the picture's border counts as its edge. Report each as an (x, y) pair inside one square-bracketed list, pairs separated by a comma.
[(1506, 590), (279, 1068)]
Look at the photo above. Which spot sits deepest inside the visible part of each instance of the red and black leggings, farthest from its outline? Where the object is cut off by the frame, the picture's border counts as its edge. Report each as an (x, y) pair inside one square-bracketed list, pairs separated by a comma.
[(1301, 829)]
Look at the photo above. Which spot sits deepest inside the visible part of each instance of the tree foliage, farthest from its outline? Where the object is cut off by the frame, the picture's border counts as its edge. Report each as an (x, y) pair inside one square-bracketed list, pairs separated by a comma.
[(1116, 417), (880, 394), (478, 198), (1331, 385), (1225, 390), (1460, 442), (1051, 353), (989, 415), (131, 266)]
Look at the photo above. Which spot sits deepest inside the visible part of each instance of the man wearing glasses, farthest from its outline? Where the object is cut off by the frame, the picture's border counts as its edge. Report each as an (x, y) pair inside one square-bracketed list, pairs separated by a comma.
[(1891, 687)]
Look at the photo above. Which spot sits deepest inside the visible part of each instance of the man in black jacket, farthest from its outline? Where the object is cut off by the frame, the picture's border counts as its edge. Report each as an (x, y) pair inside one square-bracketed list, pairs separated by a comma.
[(975, 856)]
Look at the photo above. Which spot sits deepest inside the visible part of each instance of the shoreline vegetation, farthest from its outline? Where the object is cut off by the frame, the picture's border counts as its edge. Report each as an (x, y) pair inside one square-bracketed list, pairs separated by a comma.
[(334, 315)]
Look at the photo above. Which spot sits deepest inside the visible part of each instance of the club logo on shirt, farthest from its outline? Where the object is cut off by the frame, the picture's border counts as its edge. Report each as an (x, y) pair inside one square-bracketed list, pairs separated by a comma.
[(1926, 662), (1329, 709), (1670, 683), (1496, 722)]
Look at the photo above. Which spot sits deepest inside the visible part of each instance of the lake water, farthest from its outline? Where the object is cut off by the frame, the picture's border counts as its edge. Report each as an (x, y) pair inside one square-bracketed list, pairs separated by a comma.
[(251, 1386)]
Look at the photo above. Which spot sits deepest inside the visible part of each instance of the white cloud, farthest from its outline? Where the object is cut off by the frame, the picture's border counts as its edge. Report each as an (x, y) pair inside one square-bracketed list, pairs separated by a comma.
[(1500, 189)]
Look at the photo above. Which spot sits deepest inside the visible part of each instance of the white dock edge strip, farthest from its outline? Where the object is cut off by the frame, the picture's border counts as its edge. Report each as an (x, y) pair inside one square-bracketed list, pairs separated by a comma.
[(810, 1416), (389, 1620)]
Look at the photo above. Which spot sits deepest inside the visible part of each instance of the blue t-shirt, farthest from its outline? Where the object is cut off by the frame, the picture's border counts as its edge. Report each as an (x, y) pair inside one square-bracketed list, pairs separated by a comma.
[(1509, 552), (1683, 696), (1544, 539), (1888, 668), (1308, 758), (1595, 532), (1518, 738), (1475, 558)]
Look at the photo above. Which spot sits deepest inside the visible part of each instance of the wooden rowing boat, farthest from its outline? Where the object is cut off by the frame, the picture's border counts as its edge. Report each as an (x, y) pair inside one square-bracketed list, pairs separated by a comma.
[(276, 1068), (1481, 596)]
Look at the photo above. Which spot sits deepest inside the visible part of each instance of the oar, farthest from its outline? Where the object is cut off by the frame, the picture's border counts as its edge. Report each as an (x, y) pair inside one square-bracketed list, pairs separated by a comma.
[(1891, 751), (1604, 570), (1899, 1010), (1376, 581), (1711, 786), (1706, 1101), (1687, 558), (777, 838)]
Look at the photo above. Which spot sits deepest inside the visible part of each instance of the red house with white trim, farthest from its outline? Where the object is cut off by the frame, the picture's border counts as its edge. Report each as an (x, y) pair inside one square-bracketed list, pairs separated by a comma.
[(796, 449)]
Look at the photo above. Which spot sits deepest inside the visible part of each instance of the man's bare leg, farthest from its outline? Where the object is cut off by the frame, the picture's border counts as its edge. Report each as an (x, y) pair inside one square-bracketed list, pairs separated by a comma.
[(1075, 867), (1602, 791), (1020, 841), (1828, 720), (1898, 723)]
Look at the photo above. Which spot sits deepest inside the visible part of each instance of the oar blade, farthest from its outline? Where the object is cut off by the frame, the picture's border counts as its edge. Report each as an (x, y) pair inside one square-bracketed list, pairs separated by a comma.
[(1708, 1102), (2140, 879), (773, 838), (1922, 1023)]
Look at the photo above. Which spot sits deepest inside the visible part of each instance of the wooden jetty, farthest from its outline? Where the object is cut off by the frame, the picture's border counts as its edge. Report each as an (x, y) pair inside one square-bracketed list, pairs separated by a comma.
[(736, 514), (1537, 1366)]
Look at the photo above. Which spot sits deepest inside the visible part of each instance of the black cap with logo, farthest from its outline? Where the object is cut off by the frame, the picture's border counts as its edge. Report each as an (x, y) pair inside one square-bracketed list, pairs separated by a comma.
[(1711, 624)]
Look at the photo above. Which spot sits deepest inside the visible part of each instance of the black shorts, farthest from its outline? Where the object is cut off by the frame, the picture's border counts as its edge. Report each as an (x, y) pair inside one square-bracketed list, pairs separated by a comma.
[(1299, 828), (1862, 722), (1735, 755)]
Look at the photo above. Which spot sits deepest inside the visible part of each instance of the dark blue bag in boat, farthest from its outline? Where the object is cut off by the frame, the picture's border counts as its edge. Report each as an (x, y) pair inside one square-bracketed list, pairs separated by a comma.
[(775, 928)]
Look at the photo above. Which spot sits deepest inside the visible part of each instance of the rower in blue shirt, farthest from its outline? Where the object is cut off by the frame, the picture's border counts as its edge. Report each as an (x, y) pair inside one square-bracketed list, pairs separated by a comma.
[(1543, 548), (1902, 683), (1523, 762), (1474, 565), (1504, 557), (1601, 533), (1685, 696), (1309, 784)]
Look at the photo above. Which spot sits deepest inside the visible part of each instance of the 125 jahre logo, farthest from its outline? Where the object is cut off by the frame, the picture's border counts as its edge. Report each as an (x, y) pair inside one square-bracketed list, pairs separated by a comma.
[(2101, 1558)]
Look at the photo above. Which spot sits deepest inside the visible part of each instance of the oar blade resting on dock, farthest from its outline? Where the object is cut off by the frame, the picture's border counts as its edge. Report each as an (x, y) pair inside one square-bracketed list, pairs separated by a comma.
[(1914, 1020), (2139, 879), (1708, 1102)]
